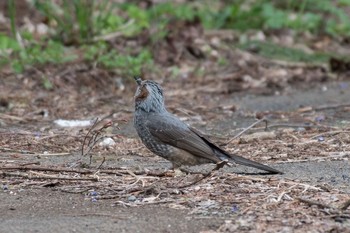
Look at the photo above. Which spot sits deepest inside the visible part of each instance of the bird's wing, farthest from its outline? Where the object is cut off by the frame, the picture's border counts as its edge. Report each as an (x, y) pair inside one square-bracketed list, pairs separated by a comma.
[(238, 159), (172, 131), (176, 133)]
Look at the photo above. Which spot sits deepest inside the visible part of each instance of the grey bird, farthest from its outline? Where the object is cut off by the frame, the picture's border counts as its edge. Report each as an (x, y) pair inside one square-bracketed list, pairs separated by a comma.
[(168, 137)]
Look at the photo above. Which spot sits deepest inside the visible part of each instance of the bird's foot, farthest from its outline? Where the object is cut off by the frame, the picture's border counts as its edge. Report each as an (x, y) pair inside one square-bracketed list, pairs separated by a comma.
[(179, 172), (220, 165), (176, 172)]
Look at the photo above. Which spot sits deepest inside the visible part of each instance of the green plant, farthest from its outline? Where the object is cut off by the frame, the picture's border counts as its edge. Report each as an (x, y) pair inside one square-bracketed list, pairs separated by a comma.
[(126, 63), (300, 15), (34, 53), (274, 51), (12, 13), (47, 84), (79, 21)]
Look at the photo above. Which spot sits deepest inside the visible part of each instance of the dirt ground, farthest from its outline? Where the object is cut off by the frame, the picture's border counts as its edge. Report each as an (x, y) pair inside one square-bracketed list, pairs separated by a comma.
[(130, 193), (61, 179)]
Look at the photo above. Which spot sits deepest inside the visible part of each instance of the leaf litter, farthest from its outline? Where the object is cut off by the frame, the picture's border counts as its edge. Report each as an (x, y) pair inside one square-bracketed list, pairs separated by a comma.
[(261, 199), (35, 154)]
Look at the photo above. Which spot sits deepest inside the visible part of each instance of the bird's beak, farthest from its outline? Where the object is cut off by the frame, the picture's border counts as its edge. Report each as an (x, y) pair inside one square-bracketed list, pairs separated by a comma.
[(138, 80)]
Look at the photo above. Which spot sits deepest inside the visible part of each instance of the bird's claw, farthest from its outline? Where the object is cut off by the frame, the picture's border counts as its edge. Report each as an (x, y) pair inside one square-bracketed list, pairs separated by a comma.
[(220, 165)]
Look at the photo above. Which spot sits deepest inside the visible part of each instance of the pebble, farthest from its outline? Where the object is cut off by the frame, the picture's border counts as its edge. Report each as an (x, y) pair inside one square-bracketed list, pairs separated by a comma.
[(107, 142), (132, 198)]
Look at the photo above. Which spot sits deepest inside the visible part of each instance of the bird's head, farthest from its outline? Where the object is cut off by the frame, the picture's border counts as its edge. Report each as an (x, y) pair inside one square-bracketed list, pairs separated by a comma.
[(149, 96)]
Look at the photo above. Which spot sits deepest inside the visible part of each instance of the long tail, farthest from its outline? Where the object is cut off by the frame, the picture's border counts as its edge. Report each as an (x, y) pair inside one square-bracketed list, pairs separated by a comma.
[(240, 160), (250, 163), (237, 159)]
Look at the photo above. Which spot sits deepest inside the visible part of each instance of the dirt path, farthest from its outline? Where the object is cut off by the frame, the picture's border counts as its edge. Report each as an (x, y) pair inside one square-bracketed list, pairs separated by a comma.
[(44, 210)]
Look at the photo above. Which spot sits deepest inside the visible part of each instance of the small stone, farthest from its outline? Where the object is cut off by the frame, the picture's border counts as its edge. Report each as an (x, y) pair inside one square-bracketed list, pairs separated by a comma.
[(345, 177), (94, 193), (320, 118), (107, 142), (132, 198), (234, 208), (301, 129)]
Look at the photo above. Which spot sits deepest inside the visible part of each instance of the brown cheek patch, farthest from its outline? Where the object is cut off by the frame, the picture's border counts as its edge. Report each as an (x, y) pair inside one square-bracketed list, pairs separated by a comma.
[(143, 94)]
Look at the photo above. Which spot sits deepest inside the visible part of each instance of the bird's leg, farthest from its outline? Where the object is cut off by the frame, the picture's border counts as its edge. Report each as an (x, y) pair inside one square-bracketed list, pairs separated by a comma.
[(220, 165), (176, 170)]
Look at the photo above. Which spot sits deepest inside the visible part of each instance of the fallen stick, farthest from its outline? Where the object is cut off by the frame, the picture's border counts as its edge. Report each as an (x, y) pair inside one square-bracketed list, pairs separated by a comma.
[(40, 168), (311, 203), (82, 171), (330, 133), (46, 177), (345, 205), (264, 119)]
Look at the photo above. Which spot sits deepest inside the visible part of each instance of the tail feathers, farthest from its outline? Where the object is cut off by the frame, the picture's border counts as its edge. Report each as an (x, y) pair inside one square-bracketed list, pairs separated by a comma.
[(223, 155), (246, 162)]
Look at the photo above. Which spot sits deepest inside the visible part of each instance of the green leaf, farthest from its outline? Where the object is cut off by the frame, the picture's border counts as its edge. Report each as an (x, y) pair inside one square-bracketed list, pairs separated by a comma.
[(8, 43)]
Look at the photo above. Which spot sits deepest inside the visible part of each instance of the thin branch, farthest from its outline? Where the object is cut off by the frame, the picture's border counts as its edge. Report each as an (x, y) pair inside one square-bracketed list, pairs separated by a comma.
[(41, 176), (246, 129), (40, 168), (345, 205), (331, 133), (91, 128), (311, 203)]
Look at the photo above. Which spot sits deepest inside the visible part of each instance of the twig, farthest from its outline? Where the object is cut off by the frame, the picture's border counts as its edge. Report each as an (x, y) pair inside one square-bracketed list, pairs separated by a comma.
[(57, 135), (194, 182), (47, 177), (217, 167), (246, 129), (103, 161), (286, 125), (143, 203), (99, 214), (31, 163), (311, 203), (94, 139), (93, 125), (345, 205), (17, 151), (125, 204), (332, 133), (53, 154), (39, 168), (324, 107), (5, 116), (81, 171)]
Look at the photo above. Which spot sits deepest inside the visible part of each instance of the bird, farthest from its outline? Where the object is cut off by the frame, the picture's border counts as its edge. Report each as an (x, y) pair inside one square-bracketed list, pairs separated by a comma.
[(167, 136)]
